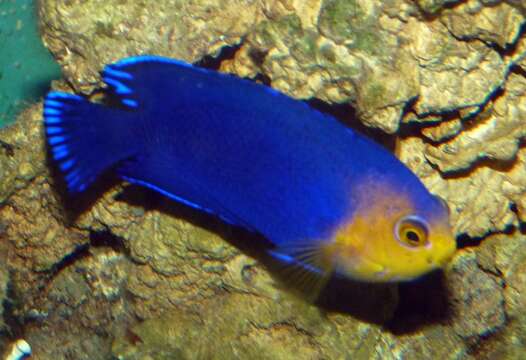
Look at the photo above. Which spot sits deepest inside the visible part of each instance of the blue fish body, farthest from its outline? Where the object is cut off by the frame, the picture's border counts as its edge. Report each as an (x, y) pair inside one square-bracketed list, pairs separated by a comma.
[(228, 146)]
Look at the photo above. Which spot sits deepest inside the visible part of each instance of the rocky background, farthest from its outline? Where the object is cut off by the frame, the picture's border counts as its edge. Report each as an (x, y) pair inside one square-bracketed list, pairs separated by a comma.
[(122, 272)]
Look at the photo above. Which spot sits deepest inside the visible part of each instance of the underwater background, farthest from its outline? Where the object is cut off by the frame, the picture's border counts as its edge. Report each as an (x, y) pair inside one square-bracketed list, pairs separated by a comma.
[(26, 66), (122, 272)]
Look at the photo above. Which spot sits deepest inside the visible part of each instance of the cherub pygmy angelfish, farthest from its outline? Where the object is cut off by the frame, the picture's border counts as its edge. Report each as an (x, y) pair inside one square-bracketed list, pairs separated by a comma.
[(328, 198)]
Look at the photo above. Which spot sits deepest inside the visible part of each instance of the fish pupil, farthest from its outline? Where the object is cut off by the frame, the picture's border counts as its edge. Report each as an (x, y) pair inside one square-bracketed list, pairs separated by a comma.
[(412, 237)]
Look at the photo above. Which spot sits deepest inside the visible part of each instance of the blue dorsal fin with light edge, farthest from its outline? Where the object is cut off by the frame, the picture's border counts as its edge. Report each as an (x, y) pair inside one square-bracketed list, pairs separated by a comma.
[(148, 70), (122, 77), (122, 84)]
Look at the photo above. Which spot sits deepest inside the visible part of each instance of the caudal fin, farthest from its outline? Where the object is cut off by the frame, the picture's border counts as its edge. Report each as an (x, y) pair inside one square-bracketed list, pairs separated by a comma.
[(85, 138)]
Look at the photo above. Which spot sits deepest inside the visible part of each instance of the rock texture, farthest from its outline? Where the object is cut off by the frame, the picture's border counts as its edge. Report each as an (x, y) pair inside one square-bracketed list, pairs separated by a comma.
[(123, 271)]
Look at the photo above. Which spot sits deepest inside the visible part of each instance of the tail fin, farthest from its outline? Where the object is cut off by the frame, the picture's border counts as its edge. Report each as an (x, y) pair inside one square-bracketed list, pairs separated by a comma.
[(85, 138)]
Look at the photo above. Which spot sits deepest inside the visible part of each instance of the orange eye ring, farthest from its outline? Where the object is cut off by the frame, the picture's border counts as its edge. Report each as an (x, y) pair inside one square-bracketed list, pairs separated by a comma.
[(412, 232)]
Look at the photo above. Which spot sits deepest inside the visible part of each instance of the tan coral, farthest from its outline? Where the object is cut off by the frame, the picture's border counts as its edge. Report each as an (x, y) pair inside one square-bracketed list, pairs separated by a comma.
[(480, 200), (452, 74), (499, 255), (499, 24), (18, 167), (41, 244), (495, 134), (487, 314), (85, 35), (443, 130)]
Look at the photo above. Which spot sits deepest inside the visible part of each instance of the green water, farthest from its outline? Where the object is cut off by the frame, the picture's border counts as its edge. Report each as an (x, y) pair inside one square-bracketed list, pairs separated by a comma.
[(26, 66)]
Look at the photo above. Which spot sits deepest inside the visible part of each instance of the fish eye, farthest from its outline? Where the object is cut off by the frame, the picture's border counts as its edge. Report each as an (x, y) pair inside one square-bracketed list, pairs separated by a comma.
[(412, 231)]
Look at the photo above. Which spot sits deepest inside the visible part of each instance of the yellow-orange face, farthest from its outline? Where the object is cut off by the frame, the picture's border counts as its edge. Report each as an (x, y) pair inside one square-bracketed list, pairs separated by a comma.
[(390, 238)]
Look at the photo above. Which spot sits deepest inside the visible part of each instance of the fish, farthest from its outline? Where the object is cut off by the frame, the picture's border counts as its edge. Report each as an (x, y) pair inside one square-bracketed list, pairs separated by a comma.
[(328, 199)]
